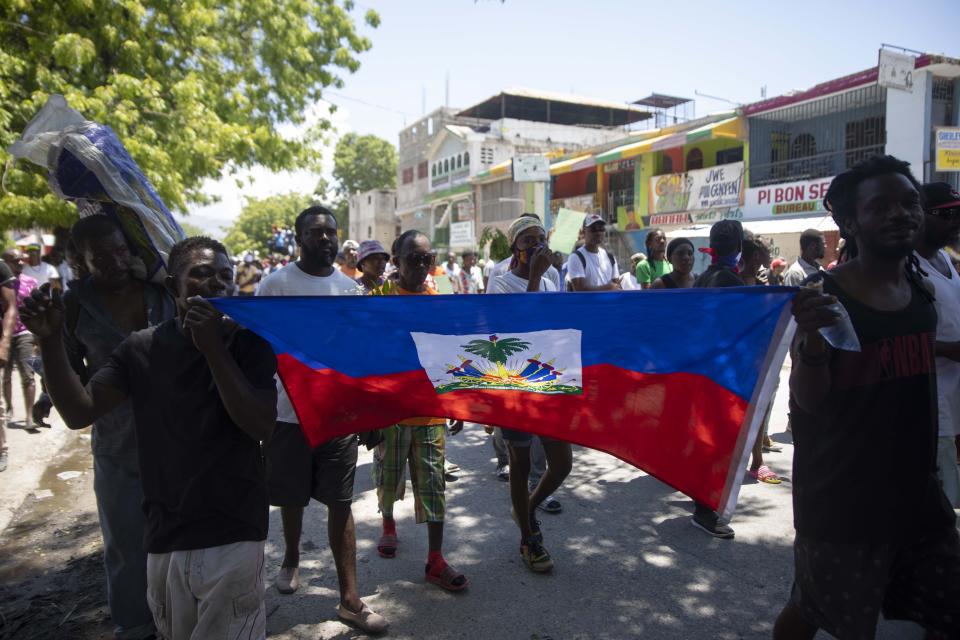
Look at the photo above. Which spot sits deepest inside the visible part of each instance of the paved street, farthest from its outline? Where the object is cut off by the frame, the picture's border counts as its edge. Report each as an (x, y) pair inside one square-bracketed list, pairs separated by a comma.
[(628, 563)]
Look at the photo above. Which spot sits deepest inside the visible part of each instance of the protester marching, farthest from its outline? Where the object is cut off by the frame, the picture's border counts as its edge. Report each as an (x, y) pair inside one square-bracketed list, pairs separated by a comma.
[(334, 361)]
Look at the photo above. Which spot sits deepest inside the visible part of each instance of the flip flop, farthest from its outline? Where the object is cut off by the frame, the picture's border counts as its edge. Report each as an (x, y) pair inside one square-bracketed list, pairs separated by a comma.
[(387, 545), (764, 474), (447, 578)]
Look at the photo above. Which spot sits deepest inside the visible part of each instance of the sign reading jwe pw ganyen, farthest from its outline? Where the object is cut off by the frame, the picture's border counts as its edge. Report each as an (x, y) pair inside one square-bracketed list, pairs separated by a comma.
[(720, 186)]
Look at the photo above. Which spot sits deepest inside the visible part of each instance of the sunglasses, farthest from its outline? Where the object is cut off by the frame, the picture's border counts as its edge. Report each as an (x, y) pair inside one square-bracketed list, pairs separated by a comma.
[(953, 213), (420, 259)]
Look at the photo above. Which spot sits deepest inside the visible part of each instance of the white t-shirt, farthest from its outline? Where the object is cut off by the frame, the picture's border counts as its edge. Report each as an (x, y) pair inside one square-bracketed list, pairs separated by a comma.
[(509, 283), (947, 293), (503, 267), (42, 273), (599, 269), (291, 280), (797, 272)]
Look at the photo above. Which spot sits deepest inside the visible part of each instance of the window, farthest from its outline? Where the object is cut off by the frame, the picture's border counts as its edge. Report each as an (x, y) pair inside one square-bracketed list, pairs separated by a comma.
[(803, 146), (591, 186), (730, 155), (694, 159), (500, 201), (864, 138), (466, 159), (408, 175), (446, 166), (666, 164), (459, 162), (369, 232), (486, 155), (421, 171), (433, 170)]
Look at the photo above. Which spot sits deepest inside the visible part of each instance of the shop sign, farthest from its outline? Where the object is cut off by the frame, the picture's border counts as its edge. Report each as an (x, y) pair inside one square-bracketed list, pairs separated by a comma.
[(720, 186), (790, 199), (461, 234), (664, 219), (948, 149), (710, 216), (621, 165)]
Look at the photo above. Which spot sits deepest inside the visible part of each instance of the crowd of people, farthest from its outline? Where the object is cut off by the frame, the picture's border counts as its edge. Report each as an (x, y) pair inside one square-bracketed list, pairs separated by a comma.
[(187, 411)]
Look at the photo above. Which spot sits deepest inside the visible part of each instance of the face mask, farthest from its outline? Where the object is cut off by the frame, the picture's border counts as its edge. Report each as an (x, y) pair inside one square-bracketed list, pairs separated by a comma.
[(525, 255)]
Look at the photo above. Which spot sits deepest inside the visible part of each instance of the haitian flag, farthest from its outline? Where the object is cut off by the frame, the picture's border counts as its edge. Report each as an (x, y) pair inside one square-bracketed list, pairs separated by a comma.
[(675, 382)]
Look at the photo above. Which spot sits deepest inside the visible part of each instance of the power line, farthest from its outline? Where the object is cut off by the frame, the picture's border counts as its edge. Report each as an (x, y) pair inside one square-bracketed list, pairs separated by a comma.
[(369, 104)]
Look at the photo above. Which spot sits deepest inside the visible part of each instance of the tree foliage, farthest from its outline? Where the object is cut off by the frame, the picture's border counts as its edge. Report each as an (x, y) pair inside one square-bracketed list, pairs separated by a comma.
[(499, 246), (361, 163), (194, 89), (253, 228)]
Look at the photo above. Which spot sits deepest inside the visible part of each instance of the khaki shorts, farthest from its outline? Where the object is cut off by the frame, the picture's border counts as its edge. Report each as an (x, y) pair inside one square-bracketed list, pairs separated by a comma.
[(215, 592)]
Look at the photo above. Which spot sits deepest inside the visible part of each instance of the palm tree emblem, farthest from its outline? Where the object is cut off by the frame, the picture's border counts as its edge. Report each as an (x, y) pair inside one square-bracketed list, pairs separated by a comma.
[(496, 350)]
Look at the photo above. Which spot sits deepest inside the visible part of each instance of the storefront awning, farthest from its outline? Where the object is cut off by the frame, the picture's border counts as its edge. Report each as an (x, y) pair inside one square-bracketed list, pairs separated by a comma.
[(573, 164), (729, 128), (630, 150)]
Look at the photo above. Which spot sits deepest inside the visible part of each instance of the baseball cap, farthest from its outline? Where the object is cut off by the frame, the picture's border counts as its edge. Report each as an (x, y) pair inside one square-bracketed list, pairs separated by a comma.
[(591, 220), (778, 262), (350, 244), (939, 195), (370, 248)]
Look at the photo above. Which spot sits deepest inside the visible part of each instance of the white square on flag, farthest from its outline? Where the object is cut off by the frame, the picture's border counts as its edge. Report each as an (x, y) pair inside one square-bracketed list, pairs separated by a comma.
[(537, 361)]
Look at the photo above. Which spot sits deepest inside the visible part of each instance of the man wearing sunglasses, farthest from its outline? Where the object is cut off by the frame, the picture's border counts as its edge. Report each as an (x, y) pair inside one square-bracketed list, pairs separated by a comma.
[(941, 228), (417, 443)]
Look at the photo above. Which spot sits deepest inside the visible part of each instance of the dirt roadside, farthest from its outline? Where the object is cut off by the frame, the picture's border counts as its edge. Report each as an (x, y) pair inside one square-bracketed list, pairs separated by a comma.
[(51, 569)]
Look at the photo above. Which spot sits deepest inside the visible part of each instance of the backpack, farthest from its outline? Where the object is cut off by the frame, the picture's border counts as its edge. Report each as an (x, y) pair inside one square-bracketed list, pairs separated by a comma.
[(613, 261)]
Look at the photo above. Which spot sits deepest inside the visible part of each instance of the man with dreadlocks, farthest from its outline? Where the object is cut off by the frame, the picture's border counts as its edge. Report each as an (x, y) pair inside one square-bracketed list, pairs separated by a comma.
[(874, 530)]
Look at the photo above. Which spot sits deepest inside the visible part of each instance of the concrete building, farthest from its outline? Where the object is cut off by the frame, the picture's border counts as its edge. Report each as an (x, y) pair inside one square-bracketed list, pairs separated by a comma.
[(442, 152), (373, 217)]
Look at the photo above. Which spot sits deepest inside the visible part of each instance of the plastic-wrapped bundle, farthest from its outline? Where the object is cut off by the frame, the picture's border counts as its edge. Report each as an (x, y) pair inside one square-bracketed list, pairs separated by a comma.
[(87, 164)]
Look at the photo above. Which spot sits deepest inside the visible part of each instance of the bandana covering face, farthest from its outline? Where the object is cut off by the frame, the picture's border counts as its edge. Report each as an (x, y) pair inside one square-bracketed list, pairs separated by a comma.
[(732, 260)]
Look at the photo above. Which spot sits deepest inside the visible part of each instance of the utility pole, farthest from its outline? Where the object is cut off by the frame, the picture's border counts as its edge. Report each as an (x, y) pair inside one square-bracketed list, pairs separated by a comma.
[(446, 93)]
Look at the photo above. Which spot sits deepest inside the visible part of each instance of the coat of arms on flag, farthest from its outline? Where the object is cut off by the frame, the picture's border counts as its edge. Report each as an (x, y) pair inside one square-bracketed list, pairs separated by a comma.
[(545, 362)]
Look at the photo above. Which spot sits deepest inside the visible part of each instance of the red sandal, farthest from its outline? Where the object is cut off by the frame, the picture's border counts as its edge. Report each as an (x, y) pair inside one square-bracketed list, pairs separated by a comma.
[(447, 579), (764, 474), (387, 545)]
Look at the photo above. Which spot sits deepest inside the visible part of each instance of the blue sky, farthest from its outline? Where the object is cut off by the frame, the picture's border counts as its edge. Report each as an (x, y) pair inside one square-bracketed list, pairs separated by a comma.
[(614, 49)]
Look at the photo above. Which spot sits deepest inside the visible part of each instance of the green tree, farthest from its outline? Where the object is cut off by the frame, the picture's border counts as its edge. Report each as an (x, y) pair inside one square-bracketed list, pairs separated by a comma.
[(193, 89), (360, 163), (499, 246), (253, 228)]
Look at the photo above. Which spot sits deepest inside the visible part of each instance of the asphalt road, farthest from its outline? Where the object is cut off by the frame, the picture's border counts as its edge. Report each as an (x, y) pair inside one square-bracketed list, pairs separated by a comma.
[(628, 562)]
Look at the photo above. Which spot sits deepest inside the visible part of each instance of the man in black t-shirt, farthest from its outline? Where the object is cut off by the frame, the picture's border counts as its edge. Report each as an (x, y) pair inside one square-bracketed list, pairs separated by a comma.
[(203, 398), (874, 530)]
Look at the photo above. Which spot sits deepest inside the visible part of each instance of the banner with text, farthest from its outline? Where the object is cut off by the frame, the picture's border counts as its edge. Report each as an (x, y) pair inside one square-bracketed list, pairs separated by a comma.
[(720, 186), (791, 199)]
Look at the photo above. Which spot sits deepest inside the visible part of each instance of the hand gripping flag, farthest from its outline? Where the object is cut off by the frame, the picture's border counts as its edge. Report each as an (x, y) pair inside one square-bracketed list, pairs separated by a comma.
[(674, 382)]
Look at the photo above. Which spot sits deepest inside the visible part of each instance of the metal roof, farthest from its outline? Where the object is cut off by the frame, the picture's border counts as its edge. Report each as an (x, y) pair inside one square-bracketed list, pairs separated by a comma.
[(661, 101), (556, 108)]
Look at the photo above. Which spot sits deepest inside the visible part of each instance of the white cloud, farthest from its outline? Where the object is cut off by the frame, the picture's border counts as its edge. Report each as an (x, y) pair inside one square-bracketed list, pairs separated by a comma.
[(258, 182)]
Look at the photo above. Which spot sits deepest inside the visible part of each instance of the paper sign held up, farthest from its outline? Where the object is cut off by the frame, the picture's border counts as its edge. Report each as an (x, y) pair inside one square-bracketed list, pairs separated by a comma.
[(566, 231)]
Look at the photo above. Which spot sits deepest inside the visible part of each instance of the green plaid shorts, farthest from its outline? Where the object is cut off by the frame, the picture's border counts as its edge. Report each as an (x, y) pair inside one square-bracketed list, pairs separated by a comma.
[(422, 449)]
